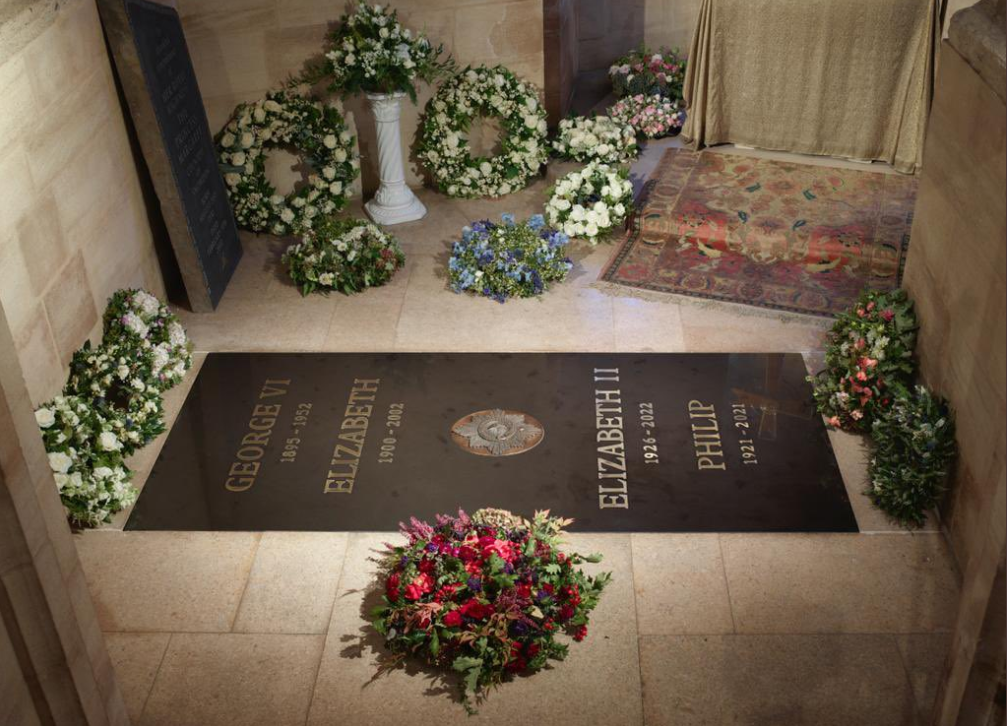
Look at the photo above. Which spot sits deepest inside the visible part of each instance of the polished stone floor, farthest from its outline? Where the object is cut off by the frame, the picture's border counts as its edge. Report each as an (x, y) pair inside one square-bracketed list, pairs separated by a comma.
[(762, 629)]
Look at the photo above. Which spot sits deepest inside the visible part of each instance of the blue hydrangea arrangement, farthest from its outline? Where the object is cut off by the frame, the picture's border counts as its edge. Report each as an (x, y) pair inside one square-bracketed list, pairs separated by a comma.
[(512, 259)]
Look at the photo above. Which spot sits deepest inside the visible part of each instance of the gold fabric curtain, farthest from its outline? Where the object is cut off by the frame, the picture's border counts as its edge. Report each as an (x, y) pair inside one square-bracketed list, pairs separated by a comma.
[(850, 78)]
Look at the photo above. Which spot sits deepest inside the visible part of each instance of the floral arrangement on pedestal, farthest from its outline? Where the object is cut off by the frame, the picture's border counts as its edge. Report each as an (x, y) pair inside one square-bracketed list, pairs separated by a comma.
[(652, 116), (598, 138), (348, 255), (86, 457), (589, 203), (646, 72), (444, 150), (112, 405), (512, 259), (318, 133), (868, 360), (914, 446), (485, 596), (371, 52)]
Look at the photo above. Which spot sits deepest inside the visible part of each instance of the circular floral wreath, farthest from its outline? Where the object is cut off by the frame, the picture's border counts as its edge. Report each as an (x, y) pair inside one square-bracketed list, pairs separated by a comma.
[(445, 152), (319, 135)]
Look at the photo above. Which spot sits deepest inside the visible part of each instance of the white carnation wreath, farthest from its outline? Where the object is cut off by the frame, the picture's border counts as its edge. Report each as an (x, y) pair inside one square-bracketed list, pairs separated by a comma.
[(319, 135), (444, 150), (591, 202)]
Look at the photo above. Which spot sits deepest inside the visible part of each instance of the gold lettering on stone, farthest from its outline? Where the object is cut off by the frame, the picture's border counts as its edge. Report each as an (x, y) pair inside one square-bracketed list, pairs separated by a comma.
[(613, 489), (241, 475), (352, 435), (706, 437)]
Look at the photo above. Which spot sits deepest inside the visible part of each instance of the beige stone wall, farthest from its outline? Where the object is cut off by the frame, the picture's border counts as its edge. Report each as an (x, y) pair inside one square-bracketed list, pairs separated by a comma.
[(243, 48), (73, 224), (956, 273), (670, 23)]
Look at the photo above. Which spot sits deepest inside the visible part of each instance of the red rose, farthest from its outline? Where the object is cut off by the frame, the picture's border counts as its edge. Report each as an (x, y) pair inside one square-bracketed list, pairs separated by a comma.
[(523, 589), (581, 633), (566, 612), (426, 566), (476, 610), (467, 554), (532, 649), (453, 619)]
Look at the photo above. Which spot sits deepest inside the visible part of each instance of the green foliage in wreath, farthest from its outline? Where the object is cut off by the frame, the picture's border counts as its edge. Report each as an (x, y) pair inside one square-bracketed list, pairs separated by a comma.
[(85, 454), (371, 51), (348, 255), (111, 405), (445, 152), (317, 133), (868, 360), (914, 444)]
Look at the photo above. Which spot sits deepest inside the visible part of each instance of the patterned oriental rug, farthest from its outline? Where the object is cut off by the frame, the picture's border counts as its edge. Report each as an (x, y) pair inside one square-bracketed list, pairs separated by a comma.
[(775, 234)]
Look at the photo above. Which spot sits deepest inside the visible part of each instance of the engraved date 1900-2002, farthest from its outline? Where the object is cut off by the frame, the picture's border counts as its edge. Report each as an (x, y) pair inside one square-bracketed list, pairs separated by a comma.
[(393, 422)]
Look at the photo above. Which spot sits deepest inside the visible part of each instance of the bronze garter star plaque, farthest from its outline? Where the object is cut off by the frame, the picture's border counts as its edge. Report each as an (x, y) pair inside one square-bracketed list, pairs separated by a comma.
[(631, 442)]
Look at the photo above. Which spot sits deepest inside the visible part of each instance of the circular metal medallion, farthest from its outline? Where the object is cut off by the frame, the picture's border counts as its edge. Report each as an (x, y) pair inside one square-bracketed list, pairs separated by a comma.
[(497, 432)]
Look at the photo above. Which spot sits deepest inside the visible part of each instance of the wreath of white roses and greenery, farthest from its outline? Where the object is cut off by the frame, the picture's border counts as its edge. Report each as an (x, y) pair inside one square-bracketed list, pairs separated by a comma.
[(138, 319), (595, 139), (444, 150), (318, 134), (348, 255), (589, 203)]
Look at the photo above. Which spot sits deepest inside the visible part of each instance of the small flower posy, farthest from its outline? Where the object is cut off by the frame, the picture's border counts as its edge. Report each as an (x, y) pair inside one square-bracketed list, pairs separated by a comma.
[(371, 51), (347, 255), (444, 150), (646, 72), (485, 596), (318, 133), (598, 138), (652, 116), (589, 203), (507, 260)]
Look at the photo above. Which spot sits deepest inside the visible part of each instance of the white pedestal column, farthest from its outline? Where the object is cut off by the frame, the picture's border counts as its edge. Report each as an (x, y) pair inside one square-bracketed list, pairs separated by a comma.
[(394, 202)]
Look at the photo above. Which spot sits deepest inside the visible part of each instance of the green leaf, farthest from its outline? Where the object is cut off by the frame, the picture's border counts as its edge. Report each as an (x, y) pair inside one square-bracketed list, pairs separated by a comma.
[(743, 216)]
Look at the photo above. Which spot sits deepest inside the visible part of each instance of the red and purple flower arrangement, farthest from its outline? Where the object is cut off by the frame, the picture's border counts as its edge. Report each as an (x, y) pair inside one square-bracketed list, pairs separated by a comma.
[(485, 596)]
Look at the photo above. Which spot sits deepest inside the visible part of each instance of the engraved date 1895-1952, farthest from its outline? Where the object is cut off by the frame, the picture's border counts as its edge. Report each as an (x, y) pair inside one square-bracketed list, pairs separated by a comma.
[(290, 446)]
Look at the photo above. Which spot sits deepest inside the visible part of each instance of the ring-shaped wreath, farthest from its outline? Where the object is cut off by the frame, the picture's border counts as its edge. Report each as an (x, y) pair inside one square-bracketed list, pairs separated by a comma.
[(317, 133), (444, 150)]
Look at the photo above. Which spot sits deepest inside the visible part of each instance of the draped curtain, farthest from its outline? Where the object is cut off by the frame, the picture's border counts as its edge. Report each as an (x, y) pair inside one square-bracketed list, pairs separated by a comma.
[(849, 78)]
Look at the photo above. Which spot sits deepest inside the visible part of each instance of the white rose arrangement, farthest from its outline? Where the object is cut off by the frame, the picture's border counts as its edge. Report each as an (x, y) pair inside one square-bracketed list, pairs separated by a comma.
[(589, 203), (85, 455), (371, 51), (444, 150), (600, 138), (325, 145), (111, 405)]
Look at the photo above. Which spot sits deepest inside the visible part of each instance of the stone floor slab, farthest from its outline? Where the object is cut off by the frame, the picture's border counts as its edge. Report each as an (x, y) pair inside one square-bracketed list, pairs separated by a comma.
[(923, 655), (774, 680), (166, 581), (232, 679), (680, 584), (292, 583), (796, 583), (598, 683), (136, 658)]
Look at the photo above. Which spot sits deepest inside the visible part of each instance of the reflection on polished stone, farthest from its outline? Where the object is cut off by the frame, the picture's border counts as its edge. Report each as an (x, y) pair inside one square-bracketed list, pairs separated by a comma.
[(620, 442)]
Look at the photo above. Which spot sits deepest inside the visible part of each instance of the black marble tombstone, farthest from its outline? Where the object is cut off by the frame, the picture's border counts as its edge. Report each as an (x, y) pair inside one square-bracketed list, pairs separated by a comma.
[(159, 82), (620, 442)]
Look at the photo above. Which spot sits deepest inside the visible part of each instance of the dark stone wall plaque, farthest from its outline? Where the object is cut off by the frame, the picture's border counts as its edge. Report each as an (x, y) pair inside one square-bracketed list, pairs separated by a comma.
[(621, 442), (159, 82)]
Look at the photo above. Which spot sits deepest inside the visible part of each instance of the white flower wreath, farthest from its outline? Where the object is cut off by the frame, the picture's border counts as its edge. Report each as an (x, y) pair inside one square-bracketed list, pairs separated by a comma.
[(444, 150), (318, 133), (587, 204), (595, 139)]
